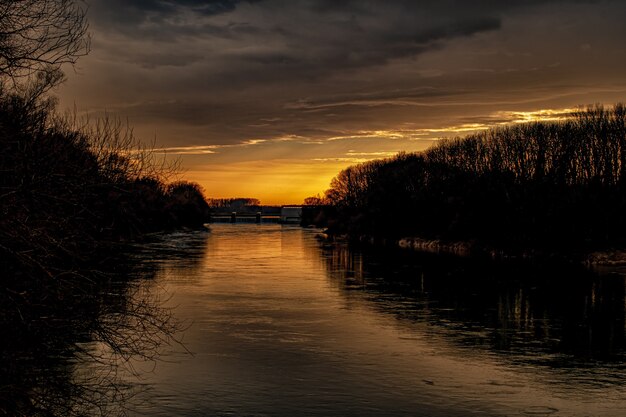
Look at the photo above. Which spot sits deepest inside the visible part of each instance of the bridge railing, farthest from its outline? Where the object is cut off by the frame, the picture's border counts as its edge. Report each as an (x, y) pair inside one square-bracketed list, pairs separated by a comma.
[(235, 217)]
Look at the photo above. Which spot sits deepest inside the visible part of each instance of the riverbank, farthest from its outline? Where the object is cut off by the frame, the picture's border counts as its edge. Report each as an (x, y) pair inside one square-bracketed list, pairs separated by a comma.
[(613, 257), (71, 199), (545, 189)]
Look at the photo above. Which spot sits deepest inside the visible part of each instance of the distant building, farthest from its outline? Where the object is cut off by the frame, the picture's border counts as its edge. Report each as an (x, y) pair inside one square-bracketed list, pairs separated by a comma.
[(291, 214)]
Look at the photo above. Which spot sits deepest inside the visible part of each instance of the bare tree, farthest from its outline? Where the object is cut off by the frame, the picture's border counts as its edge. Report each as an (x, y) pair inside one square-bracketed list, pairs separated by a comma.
[(41, 35)]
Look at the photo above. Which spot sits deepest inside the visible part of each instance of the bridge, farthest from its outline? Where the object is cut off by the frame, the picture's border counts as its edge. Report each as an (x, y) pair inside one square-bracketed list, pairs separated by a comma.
[(283, 215)]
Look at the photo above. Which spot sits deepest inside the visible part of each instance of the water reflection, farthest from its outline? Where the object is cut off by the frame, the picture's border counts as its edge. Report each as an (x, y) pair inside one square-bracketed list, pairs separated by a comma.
[(285, 325), (558, 316), (281, 324), (65, 352)]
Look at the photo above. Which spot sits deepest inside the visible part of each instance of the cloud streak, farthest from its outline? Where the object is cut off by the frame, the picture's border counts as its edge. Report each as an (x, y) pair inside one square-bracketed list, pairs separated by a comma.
[(241, 80)]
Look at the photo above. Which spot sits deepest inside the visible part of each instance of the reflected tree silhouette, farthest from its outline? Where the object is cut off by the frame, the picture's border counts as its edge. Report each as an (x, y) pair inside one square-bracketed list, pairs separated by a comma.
[(62, 357), (556, 315)]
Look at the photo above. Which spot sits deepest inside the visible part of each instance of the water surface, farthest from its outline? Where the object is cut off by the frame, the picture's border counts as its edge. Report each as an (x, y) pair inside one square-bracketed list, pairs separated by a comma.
[(280, 324)]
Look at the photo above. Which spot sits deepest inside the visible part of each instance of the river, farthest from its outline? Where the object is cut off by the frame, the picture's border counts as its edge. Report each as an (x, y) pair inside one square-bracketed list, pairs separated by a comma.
[(277, 323)]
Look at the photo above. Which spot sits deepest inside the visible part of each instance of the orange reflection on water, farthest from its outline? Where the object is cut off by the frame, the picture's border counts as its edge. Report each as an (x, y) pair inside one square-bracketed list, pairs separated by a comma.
[(284, 324)]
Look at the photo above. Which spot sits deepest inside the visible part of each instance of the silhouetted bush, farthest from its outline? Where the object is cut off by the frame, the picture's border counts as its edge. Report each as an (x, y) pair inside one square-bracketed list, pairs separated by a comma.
[(187, 204), (68, 193), (69, 196)]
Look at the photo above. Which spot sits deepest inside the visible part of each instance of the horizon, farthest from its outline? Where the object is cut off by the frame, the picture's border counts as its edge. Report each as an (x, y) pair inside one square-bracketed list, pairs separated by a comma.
[(271, 99)]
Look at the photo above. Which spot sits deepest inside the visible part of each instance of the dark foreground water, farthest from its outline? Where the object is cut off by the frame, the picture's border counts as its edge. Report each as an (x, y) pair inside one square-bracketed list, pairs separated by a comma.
[(279, 324)]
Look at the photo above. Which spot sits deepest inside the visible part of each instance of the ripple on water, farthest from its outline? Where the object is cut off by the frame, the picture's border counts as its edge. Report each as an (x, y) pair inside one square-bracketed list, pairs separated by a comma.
[(283, 327), (540, 411)]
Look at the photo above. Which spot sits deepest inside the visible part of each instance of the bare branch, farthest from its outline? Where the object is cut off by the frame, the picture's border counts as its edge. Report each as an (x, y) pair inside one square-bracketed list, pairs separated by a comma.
[(40, 36)]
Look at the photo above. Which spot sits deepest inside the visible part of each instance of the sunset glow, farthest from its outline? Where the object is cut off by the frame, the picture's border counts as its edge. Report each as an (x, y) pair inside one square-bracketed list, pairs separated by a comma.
[(270, 99), (320, 208), (274, 183)]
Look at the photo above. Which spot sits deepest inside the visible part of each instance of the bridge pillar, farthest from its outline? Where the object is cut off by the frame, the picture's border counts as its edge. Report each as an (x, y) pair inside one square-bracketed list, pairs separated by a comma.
[(258, 217), (233, 217)]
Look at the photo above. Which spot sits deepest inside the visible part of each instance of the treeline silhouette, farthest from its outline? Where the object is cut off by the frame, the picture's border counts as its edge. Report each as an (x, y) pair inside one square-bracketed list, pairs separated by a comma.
[(238, 204), (545, 185), (68, 192)]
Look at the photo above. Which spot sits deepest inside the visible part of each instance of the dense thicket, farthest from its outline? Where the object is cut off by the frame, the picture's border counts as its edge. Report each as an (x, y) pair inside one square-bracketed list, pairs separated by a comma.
[(68, 193), (546, 184), (68, 197)]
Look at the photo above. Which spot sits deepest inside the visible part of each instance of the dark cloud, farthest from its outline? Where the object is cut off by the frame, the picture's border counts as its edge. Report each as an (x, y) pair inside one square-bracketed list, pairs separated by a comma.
[(128, 15), (303, 38), (164, 7), (240, 85), (224, 66)]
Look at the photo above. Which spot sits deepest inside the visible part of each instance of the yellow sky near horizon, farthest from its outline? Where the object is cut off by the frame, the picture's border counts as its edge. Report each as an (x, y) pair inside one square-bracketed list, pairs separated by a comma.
[(280, 181), (271, 99)]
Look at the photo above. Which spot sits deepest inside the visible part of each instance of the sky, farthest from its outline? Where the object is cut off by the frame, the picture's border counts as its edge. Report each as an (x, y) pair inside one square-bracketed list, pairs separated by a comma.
[(272, 98)]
